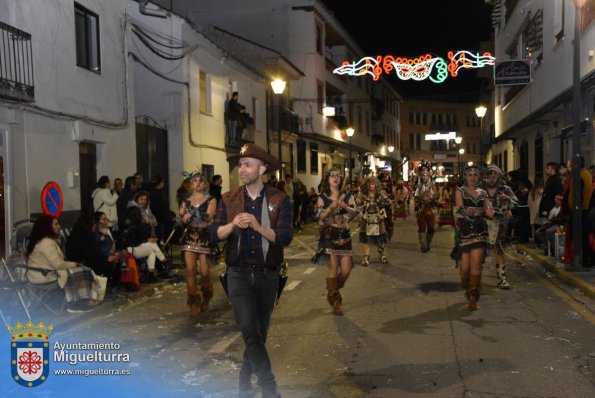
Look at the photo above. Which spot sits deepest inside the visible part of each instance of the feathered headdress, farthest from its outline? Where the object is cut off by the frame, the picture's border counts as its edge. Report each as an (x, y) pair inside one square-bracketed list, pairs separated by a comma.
[(424, 167), (191, 174)]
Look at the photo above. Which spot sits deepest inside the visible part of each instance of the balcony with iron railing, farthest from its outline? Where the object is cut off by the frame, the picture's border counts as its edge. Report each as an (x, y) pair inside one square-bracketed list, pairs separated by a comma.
[(239, 132), (289, 121), (16, 64)]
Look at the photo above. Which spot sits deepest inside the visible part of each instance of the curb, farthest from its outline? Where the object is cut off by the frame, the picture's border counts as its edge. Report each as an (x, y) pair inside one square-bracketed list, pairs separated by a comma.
[(587, 288), (106, 307)]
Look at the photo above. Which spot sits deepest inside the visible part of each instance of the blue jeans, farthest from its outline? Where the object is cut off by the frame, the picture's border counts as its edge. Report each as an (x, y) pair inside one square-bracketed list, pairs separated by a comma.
[(253, 294)]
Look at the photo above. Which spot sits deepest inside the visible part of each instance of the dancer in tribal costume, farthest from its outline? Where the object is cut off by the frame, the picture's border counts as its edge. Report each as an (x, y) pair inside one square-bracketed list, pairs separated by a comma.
[(401, 199), (503, 200), (425, 196), (473, 206), (373, 230), (197, 214), (334, 210)]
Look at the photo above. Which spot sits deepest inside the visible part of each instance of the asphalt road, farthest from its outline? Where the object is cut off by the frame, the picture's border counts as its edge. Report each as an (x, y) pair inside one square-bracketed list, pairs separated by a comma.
[(406, 332)]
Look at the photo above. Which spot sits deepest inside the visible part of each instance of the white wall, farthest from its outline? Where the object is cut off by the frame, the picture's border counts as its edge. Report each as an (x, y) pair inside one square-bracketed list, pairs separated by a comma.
[(202, 141)]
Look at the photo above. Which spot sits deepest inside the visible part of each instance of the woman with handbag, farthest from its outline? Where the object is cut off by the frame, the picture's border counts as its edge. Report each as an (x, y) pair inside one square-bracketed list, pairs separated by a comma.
[(197, 214), (372, 229), (335, 209)]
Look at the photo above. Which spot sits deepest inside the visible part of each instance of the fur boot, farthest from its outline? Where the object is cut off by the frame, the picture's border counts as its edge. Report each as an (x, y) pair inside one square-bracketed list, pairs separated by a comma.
[(430, 236), (502, 282), (194, 303), (365, 261), (333, 295), (207, 295), (473, 292), (423, 243), (381, 256)]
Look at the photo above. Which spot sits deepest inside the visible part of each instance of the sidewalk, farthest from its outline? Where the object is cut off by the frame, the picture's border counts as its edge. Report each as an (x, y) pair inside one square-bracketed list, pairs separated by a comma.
[(581, 278), (122, 297)]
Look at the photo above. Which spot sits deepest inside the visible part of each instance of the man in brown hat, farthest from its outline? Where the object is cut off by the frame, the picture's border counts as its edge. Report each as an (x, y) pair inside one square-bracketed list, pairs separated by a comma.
[(256, 220)]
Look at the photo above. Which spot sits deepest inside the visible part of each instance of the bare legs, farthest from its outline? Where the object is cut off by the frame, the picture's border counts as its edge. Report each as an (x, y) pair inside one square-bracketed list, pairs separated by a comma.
[(195, 301)]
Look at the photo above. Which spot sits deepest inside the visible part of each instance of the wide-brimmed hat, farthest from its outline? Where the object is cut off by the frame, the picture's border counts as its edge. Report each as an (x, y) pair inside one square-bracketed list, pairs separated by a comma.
[(493, 168), (256, 152)]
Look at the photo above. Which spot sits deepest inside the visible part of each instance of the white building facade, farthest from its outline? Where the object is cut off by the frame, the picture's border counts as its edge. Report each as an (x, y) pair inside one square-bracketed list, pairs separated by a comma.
[(308, 35), (91, 88), (530, 121)]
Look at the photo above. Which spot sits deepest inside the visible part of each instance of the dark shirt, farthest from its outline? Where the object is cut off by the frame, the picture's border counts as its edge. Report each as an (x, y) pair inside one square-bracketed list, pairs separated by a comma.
[(80, 247), (132, 236), (233, 109), (250, 241), (122, 205), (104, 243), (215, 191), (159, 206), (553, 187)]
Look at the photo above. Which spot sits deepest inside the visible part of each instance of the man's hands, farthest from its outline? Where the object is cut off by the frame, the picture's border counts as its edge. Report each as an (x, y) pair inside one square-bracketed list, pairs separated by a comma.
[(246, 220)]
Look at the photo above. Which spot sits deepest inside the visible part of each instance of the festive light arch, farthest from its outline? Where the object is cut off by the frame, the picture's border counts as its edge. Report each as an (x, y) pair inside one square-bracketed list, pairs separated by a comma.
[(435, 69)]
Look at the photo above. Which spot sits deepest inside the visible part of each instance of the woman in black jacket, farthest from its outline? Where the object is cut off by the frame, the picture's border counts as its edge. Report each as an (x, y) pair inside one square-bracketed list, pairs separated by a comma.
[(137, 240)]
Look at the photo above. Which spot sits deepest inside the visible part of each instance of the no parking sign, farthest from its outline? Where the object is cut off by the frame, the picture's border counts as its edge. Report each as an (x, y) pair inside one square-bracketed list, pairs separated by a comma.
[(51, 199)]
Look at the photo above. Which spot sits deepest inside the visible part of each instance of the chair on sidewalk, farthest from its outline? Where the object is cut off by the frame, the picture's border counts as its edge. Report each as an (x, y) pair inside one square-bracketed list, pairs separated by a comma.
[(9, 285), (49, 296)]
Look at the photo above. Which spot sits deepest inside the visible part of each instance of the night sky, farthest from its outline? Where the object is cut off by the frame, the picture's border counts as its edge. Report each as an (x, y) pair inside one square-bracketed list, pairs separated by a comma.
[(419, 27)]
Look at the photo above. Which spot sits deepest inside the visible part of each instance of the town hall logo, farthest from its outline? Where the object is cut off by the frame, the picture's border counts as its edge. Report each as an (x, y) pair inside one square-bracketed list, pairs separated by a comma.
[(29, 353)]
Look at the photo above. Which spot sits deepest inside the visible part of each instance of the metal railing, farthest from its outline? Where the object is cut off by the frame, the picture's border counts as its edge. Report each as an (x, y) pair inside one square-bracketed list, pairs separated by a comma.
[(16, 64), (289, 121)]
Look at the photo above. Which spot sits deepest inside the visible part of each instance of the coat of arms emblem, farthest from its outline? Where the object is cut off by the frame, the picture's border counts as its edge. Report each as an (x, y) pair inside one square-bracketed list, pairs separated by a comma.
[(30, 353)]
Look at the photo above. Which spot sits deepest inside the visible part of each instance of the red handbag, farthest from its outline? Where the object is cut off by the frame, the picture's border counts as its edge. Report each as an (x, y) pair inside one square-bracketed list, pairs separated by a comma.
[(130, 277)]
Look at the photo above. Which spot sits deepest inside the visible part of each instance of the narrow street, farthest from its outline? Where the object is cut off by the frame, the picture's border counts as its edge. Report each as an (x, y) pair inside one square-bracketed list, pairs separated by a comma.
[(406, 332)]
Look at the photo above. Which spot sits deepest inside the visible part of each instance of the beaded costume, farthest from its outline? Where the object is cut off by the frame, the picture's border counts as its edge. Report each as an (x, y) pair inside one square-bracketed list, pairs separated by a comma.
[(196, 238)]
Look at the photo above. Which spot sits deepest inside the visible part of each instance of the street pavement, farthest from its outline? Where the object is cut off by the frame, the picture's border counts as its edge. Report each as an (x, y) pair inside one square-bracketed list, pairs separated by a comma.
[(406, 332)]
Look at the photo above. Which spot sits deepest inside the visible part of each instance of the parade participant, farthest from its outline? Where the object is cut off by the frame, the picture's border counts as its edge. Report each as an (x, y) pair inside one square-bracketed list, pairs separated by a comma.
[(373, 229), (334, 210), (197, 212), (401, 197), (503, 200), (257, 222), (473, 206), (425, 195)]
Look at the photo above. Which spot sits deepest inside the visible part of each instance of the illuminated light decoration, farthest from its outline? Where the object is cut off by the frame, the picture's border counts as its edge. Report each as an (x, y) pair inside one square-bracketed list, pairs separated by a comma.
[(440, 136), (467, 60), (435, 69), (359, 68)]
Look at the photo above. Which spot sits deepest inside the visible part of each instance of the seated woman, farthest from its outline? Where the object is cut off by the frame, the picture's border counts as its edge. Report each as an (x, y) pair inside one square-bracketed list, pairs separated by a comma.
[(137, 240), (141, 200), (44, 253), (106, 248)]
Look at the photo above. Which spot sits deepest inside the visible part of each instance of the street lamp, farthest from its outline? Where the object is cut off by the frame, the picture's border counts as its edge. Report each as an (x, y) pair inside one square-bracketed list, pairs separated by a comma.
[(350, 131), (480, 111), (577, 259), (278, 88), (461, 152), (390, 148), (328, 111)]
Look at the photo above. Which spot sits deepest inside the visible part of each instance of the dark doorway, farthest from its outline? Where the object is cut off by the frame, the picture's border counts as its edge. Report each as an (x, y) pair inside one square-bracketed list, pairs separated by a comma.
[(524, 155), (151, 154), (87, 174), (539, 156)]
